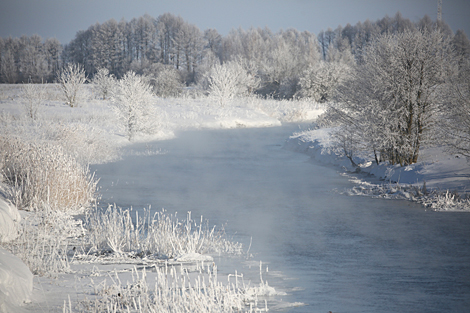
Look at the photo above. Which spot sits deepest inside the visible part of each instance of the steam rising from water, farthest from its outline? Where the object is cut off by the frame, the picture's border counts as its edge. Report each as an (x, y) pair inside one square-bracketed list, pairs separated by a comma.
[(334, 252)]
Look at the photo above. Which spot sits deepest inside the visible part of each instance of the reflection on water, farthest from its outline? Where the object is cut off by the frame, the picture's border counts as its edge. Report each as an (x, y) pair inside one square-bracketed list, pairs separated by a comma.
[(331, 251)]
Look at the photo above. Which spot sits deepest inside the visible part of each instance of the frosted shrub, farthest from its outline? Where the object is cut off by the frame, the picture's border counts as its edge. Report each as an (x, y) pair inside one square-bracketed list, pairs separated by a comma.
[(229, 80), (165, 79), (133, 99), (33, 96), (42, 174), (71, 79), (160, 234), (103, 82)]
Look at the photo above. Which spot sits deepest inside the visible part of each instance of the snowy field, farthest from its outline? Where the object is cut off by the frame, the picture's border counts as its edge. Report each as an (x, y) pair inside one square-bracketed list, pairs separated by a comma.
[(86, 264)]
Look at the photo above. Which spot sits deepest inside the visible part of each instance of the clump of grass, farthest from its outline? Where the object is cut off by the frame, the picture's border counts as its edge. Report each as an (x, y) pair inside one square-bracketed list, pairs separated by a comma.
[(157, 235), (176, 290), (40, 174)]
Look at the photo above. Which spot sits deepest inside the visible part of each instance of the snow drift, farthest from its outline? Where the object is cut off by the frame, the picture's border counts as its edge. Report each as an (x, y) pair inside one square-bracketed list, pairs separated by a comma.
[(9, 218), (16, 282)]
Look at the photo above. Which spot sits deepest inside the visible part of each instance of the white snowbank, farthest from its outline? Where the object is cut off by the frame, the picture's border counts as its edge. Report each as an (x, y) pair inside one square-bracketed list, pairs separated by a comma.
[(194, 257), (319, 145), (439, 180), (16, 282), (9, 218)]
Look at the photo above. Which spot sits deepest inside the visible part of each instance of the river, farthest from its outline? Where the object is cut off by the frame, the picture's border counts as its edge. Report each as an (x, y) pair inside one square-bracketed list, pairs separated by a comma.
[(330, 251)]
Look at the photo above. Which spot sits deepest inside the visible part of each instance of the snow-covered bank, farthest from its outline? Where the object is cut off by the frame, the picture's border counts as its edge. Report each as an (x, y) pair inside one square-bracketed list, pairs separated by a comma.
[(9, 218), (439, 180), (91, 133), (16, 282)]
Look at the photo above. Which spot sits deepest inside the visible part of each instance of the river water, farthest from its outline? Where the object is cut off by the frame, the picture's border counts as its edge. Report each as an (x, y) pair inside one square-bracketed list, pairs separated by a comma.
[(330, 251)]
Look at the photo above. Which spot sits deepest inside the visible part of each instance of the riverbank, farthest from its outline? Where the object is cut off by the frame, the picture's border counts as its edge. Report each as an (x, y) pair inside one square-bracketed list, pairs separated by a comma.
[(440, 180)]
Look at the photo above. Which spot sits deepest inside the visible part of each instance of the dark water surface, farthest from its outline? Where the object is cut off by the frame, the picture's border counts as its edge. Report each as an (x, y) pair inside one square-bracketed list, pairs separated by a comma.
[(330, 251)]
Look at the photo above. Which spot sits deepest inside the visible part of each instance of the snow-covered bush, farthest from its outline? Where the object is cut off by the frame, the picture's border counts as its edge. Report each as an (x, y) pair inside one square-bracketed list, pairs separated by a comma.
[(41, 174), (165, 80), (33, 97), (71, 79), (229, 80), (103, 82), (133, 103)]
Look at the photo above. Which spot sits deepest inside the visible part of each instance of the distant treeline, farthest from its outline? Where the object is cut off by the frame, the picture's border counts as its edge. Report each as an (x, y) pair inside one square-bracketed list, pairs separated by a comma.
[(149, 44)]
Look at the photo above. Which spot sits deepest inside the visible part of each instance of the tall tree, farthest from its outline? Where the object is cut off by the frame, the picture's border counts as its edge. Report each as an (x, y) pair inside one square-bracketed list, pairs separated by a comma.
[(393, 100)]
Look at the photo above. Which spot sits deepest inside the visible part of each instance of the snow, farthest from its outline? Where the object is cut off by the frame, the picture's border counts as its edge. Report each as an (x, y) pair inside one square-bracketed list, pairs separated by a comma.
[(91, 132), (105, 136), (9, 218), (439, 180), (194, 257), (16, 282)]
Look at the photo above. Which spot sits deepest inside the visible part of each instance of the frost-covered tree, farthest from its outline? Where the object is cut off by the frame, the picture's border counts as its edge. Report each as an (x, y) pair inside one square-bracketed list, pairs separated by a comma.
[(52, 51), (229, 80), (71, 79), (394, 99), (282, 62), (213, 40), (107, 48), (165, 80), (9, 69), (457, 121), (32, 59), (103, 82), (168, 26), (320, 80), (133, 98)]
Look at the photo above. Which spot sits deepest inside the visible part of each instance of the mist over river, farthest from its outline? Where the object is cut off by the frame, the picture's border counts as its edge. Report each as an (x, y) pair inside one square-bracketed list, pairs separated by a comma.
[(328, 250)]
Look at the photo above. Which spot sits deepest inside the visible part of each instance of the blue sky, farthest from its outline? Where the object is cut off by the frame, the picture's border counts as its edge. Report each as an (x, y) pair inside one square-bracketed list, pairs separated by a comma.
[(63, 18)]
